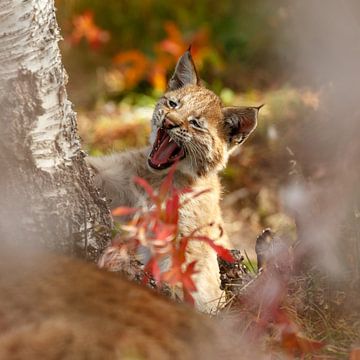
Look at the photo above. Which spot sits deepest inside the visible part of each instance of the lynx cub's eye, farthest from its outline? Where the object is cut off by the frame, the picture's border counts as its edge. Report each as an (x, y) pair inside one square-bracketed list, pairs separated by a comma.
[(172, 104), (194, 122)]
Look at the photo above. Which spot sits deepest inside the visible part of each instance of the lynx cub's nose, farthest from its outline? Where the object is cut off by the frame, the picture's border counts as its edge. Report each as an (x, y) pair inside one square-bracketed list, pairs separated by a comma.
[(168, 124)]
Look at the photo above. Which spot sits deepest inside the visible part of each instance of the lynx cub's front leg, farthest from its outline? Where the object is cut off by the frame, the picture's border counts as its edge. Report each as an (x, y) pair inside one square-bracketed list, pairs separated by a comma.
[(191, 127)]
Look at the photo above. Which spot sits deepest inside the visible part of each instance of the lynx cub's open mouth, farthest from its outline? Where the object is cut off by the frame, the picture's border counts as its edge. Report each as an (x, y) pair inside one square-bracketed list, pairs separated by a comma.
[(165, 151)]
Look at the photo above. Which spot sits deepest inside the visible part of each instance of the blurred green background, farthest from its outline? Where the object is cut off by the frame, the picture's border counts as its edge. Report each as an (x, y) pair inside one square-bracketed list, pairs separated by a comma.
[(235, 43)]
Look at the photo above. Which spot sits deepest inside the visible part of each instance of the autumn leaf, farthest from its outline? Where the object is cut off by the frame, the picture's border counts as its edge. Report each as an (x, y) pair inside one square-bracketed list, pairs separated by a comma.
[(194, 195), (85, 27), (163, 235), (152, 267), (174, 42), (167, 183), (180, 254), (123, 211), (355, 354), (176, 275), (133, 65), (172, 209), (188, 297), (147, 187), (157, 76), (225, 254), (294, 343), (187, 280)]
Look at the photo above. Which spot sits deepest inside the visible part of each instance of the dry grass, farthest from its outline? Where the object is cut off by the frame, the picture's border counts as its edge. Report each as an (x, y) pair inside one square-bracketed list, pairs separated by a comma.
[(327, 310)]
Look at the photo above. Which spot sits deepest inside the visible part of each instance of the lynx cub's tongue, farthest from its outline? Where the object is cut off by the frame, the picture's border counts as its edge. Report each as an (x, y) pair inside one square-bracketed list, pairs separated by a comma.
[(165, 151)]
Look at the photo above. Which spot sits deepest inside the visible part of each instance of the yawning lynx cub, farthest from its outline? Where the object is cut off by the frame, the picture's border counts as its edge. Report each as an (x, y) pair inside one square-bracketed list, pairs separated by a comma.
[(189, 125)]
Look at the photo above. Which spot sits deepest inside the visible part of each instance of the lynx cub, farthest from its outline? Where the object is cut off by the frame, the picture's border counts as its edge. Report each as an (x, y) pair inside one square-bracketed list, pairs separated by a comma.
[(189, 125)]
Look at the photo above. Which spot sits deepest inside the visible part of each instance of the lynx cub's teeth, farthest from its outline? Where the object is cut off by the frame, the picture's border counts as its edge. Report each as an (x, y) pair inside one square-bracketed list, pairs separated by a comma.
[(170, 140)]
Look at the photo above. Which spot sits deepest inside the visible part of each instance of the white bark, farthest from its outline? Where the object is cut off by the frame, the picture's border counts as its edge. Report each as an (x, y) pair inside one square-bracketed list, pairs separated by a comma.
[(46, 192)]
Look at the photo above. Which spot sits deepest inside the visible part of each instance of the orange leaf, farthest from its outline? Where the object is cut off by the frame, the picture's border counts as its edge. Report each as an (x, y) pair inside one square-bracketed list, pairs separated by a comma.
[(133, 65), (122, 211), (174, 43), (85, 27), (355, 354), (173, 276), (295, 343), (158, 77)]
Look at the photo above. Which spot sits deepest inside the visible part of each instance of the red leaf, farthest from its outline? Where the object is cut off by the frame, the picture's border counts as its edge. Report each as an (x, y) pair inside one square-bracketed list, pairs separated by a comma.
[(194, 195), (164, 232), (225, 254), (147, 187), (172, 209), (166, 185), (153, 268), (188, 297), (181, 251), (175, 276), (122, 211), (187, 281)]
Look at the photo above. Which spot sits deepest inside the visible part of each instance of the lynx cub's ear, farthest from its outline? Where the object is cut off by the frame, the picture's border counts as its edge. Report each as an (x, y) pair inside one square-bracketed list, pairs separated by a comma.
[(239, 122), (185, 73)]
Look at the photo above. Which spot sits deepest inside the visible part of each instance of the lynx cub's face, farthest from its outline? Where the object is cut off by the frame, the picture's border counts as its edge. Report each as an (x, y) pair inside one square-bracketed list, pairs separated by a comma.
[(191, 126)]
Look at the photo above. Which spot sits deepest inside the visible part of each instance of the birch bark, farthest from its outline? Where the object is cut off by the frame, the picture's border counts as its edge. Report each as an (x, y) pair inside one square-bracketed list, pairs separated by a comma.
[(46, 191)]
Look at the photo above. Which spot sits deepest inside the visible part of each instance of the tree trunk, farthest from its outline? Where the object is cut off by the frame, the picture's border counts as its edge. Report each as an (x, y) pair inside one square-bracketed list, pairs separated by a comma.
[(46, 191)]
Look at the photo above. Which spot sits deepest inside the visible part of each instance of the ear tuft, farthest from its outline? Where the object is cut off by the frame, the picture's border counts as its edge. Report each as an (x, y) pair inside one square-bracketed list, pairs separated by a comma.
[(185, 72), (239, 122)]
